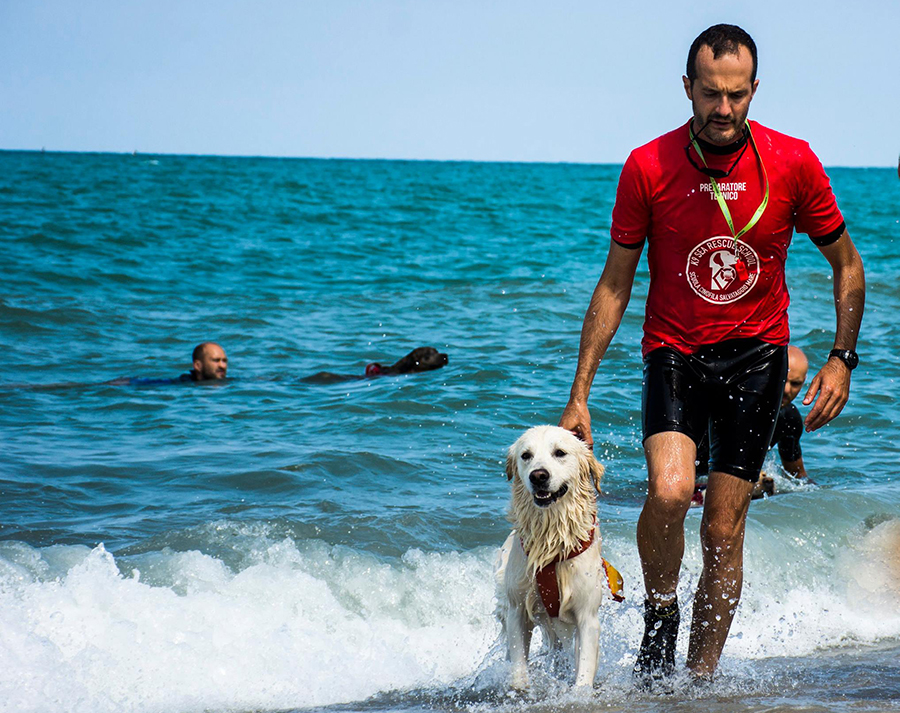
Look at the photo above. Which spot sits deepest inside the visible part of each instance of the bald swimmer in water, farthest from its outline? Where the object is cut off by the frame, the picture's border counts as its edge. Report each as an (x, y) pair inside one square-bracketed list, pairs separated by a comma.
[(209, 361)]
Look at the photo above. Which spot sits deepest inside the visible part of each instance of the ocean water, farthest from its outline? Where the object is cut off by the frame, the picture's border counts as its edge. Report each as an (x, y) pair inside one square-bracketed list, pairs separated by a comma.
[(271, 544)]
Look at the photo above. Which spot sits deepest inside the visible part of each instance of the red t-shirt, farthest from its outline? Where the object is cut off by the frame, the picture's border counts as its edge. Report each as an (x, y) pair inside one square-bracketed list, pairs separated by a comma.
[(702, 291)]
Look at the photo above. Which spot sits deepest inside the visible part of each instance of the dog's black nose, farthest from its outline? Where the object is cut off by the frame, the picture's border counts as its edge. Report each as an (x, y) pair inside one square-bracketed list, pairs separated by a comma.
[(539, 476)]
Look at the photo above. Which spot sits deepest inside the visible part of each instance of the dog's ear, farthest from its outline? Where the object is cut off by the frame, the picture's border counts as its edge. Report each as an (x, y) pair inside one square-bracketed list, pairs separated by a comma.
[(510, 465), (590, 468)]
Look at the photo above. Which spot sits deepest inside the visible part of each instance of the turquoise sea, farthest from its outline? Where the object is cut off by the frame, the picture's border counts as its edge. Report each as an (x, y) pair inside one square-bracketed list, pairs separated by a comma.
[(270, 544)]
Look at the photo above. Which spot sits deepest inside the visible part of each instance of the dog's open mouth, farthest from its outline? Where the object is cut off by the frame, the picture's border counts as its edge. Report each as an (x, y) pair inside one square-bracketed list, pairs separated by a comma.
[(544, 498)]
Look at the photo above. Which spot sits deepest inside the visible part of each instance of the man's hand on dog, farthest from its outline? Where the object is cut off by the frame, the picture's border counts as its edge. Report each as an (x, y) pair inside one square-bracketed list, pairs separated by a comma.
[(577, 419)]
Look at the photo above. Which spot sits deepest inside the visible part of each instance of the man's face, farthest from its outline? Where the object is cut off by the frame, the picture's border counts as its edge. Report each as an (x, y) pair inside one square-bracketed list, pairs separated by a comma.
[(796, 376), (213, 364), (721, 94)]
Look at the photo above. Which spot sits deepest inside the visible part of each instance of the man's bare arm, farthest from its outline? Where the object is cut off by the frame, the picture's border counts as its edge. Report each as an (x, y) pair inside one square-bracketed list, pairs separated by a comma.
[(604, 314), (831, 386), (795, 468)]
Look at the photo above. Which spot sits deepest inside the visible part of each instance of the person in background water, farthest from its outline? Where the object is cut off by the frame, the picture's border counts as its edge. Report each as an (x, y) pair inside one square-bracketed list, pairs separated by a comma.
[(209, 361), (789, 426), (209, 364), (788, 430), (718, 200)]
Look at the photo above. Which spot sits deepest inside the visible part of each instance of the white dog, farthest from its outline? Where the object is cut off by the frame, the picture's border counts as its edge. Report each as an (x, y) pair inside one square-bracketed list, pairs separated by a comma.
[(549, 570)]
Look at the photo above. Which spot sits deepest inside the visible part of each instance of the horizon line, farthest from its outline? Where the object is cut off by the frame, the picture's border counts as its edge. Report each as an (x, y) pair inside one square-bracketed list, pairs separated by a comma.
[(137, 153)]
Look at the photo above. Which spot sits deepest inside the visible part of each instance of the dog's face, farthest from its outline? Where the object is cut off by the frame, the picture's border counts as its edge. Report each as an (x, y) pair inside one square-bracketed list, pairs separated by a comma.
[(549, 460), (421, 359)]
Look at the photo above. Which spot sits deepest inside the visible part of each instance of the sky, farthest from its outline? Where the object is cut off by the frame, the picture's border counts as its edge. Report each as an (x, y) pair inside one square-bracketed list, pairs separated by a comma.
[(504, 80)]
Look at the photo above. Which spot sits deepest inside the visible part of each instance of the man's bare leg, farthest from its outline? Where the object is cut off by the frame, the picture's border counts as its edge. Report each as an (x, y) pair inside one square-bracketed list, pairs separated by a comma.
[(719, 590), (660, 535), (660, 530)]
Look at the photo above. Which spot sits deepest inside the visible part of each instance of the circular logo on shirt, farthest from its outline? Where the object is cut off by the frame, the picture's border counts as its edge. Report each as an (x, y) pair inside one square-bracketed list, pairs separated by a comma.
[(720, 271)]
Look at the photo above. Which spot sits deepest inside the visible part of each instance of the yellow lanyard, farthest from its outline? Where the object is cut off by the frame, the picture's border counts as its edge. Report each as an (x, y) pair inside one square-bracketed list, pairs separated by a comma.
[(723, 206)]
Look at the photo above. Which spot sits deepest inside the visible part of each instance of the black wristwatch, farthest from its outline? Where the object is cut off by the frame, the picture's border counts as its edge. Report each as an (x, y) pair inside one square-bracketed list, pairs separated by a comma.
[(848, 356)]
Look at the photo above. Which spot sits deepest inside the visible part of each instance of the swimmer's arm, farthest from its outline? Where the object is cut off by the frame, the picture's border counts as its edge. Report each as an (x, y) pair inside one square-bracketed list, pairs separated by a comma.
[(603, 317), (830, 388), (795, 468)]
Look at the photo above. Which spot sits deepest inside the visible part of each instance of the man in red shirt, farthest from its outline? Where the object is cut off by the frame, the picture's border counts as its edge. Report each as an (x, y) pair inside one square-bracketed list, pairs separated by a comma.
[(717, 201)]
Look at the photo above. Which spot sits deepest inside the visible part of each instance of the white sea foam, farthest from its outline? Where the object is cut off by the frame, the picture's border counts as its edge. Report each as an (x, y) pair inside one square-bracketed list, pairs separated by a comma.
[(305, 624), (78, 635)]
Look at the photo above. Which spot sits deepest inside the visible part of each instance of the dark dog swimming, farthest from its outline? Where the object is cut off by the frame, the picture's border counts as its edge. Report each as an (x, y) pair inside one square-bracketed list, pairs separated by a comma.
[(419, 359)]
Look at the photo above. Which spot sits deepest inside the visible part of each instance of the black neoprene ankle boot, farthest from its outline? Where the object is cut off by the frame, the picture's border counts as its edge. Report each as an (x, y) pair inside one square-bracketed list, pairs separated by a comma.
[(656, 658)]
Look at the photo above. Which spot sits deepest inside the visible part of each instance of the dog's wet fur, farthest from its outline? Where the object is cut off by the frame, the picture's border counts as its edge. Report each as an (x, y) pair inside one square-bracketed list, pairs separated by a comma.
[(555, 478), (418, 360)]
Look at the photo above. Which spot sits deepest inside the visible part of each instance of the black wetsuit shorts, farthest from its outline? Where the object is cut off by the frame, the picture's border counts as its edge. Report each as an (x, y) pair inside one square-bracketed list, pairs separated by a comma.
[(731, 389), (788, 429)]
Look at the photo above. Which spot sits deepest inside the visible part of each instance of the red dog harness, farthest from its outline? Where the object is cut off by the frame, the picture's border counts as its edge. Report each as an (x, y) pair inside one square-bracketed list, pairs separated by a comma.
[(548, 584)]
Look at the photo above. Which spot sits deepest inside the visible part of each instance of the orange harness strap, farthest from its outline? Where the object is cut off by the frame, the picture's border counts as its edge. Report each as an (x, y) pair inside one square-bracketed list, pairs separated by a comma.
[(548, 584)]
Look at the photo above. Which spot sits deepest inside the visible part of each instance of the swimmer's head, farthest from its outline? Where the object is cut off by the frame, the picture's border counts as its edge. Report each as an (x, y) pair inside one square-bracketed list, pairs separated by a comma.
[(720, 82), (796, 376), (210, 362)]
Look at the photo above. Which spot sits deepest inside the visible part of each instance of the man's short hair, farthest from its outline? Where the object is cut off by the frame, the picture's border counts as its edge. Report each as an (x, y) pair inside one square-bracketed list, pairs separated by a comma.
[(721, 39), (197, 354)]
